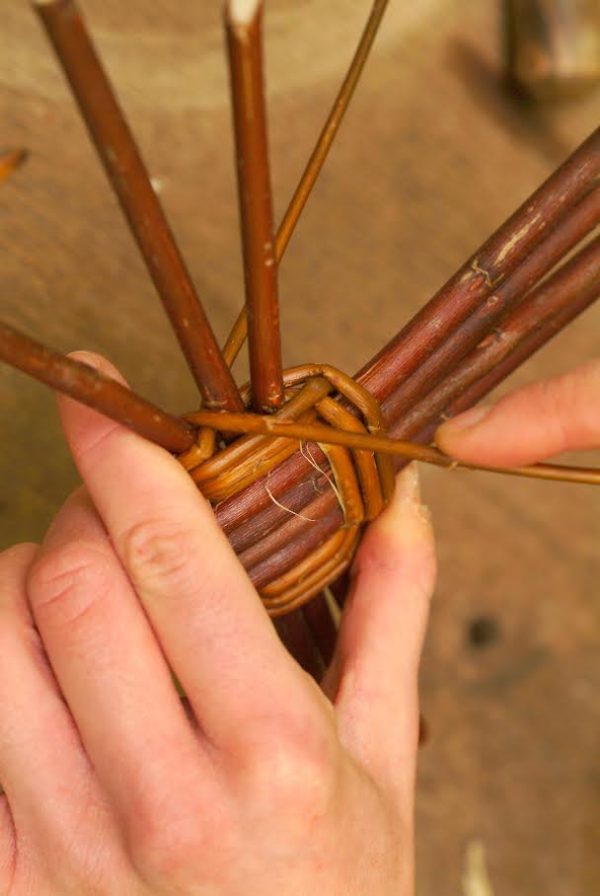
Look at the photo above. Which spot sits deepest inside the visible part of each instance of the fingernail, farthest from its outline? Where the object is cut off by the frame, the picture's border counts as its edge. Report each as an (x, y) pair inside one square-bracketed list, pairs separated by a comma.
[(408, 485), (468, 419), (404, 518), (407, 494)]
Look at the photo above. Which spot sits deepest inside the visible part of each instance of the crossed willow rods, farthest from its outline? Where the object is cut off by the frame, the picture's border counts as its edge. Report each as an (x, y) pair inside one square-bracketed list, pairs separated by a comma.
[(508, 300)]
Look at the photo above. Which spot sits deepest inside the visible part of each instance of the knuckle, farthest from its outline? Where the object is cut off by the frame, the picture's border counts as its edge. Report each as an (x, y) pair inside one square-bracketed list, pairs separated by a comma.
[(14, 565), (177, 823), (157, 553), (571, 401), (293, 771), (378, 553), (15, 558), (8, 847), (172, 847), (66, 583), (588, 399)]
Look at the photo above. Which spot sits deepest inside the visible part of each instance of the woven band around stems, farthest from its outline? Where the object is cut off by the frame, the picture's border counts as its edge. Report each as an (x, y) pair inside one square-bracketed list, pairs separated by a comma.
[(362, 481)]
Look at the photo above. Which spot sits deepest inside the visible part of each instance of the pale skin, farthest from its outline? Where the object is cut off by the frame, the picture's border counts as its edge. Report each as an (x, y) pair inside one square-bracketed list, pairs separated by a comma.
[(268, 784)]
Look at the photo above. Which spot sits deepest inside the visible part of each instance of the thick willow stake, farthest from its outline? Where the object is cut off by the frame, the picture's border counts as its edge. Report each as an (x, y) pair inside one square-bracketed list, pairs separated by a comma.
[(577, 223), (129, 178), (244, 40), (493, 262), (315, 163), (89, 386), (576, 283)]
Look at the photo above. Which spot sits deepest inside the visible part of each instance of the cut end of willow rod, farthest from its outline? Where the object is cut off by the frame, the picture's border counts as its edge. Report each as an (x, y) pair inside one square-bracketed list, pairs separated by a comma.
[(242, 12)]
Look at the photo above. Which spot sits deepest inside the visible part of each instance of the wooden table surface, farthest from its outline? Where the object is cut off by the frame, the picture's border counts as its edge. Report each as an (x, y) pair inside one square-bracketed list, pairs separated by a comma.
[(433, 156)]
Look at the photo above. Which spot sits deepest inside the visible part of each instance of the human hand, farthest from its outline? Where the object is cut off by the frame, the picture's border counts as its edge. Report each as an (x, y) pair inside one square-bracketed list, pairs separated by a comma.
[(274, 786), (529, 424)]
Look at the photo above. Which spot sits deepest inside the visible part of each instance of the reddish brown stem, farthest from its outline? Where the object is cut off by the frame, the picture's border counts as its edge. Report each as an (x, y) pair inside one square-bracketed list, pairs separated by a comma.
[(297, 636), (537, 338), (129, 178), (244, 40), (577, 223), (94, 389), (578, 280), (316, 161), (483, 273), (322, 626)]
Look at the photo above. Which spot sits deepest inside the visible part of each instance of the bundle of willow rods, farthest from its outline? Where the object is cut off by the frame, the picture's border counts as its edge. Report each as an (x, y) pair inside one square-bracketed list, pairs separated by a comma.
[(508, 300)]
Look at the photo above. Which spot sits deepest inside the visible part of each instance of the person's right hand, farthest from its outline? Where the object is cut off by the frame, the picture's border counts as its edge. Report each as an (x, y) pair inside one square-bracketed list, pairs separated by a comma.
[(529, 424), (268, 784)]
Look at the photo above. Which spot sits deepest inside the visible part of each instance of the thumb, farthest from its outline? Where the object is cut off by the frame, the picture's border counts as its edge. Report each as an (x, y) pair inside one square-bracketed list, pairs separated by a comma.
[(373, 677), (530, 424)]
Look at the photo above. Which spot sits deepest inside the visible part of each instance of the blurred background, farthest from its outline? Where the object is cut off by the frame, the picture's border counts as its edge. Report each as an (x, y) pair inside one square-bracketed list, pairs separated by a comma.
[(436, 151)]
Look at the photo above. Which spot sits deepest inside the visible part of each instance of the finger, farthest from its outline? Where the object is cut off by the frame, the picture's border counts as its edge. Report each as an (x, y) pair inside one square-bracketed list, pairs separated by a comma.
[(43, 768), (207, 616), (373, 678), (8, 851), (530, 424), (111, 671)]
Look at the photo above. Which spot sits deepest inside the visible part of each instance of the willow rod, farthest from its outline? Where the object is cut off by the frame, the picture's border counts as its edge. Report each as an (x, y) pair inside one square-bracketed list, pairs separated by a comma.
[(129, 179), (476, 280), (315, 163), (317, 432), (94, 389), (535, 338), (577, 281), (245, 53), (577, 224)]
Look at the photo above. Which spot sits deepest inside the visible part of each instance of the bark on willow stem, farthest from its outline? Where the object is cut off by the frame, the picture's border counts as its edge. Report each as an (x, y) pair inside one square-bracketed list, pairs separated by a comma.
[(576, 224), (476, 280), (129, 179), (548, 308), (244, 42), (93, 388), (315, 163)]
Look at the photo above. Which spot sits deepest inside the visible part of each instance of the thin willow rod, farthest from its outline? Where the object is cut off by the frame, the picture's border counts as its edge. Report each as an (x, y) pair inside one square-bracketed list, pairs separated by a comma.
[(318, 432), (245, 54), (94, 389), (315, 163), (127, 174), (476, 280), (10, 160), (577, 224), (577, 281)]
